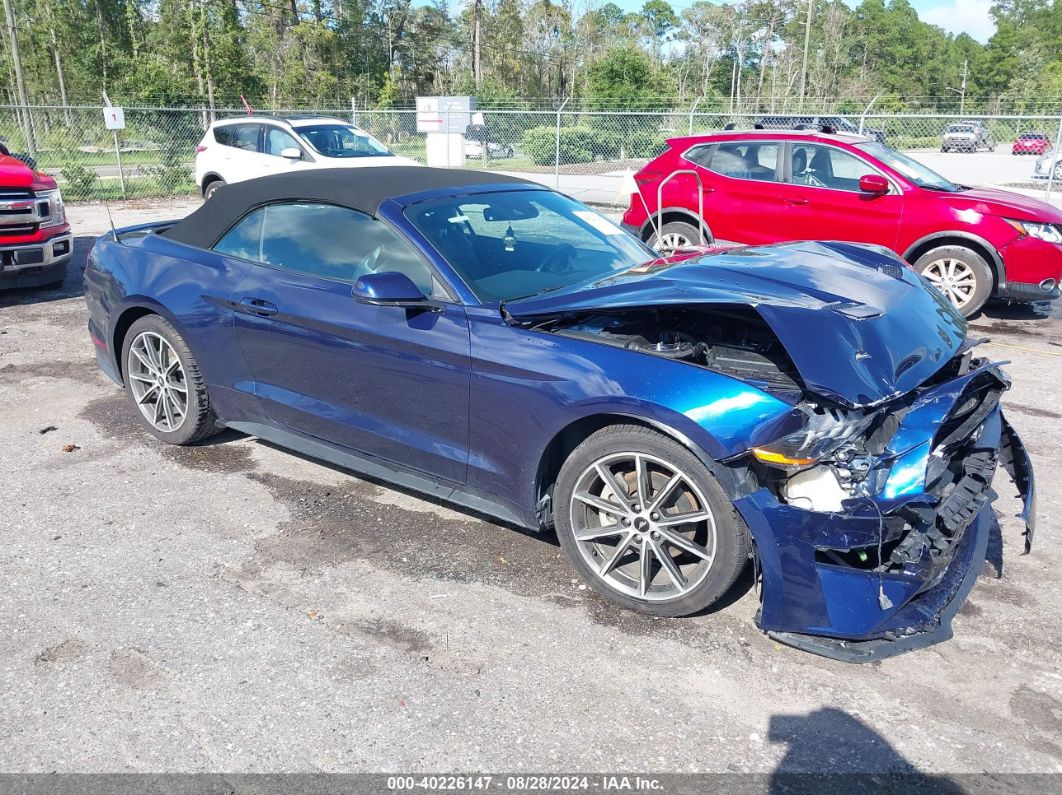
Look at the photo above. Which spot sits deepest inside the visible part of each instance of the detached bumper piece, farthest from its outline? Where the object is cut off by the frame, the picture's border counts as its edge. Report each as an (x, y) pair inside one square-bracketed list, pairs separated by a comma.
[(888, 574)]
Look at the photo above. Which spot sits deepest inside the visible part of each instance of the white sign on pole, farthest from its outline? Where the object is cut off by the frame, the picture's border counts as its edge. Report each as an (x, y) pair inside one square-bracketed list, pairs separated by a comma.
[(428, 117), (114, 118)]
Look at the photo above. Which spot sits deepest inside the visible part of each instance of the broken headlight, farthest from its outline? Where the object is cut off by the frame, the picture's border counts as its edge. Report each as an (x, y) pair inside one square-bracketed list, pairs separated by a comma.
[(826, 433)]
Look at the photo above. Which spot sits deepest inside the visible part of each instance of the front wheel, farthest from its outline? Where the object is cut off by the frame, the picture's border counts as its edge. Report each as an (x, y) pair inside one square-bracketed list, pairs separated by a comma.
[(961, 274), (646, 524), (163, 381)]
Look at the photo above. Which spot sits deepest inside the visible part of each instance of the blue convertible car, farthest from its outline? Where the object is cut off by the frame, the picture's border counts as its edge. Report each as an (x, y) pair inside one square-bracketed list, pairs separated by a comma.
[(814, 408)]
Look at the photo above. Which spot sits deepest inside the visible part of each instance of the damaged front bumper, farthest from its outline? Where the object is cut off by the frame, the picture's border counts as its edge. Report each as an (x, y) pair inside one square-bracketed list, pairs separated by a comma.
[(887, 574)]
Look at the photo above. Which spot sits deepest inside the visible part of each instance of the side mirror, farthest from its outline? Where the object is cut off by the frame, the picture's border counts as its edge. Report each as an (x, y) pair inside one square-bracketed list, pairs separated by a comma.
[(873, 183), (389, 289), (291, 153)]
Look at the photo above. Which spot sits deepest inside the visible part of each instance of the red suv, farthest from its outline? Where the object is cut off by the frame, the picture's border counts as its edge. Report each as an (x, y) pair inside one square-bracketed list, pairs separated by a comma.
[(767, 187)]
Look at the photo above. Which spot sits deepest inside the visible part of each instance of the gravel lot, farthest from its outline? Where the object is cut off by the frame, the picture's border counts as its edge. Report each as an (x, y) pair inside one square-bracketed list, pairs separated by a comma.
[(233, 607)]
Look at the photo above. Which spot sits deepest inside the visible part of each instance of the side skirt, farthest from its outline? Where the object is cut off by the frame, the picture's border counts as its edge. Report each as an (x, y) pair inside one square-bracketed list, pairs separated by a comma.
[(380, 470)]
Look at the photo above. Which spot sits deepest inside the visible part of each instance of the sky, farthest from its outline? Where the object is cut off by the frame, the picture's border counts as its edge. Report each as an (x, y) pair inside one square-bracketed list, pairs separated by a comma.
[(956, 16)]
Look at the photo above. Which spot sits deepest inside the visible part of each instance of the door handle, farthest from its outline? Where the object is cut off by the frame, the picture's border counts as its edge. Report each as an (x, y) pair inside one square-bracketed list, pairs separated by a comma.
[(258, 307), (797, 200)]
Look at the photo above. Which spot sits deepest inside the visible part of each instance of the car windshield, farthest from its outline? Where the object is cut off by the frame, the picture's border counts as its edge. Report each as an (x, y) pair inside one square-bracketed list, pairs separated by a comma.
[(959, 128), (919, 174), (342, 140), (515, 244)]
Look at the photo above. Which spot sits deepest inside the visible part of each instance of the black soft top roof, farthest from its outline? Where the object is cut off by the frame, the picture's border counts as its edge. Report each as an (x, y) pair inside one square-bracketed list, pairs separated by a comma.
[(362, 189)]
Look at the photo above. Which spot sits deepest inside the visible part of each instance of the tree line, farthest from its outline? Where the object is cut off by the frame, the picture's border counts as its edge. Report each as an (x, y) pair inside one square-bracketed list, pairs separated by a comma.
[(751, 56)]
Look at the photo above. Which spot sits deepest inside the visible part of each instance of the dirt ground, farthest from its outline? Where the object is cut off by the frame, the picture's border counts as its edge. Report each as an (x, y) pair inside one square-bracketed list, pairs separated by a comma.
[(234, 607)]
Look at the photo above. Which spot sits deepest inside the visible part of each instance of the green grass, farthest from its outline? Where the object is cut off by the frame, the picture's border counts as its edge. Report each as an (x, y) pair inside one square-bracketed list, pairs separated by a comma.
[(135, 188)]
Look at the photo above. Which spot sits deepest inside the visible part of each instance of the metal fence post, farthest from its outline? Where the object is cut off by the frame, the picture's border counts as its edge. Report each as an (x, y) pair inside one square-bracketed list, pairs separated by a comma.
[(556, 153), (696, 102), (446, 138), (1055, 162)]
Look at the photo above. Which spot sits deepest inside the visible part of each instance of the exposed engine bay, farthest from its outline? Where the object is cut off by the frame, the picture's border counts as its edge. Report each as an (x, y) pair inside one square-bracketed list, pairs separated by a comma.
[(733, 341)]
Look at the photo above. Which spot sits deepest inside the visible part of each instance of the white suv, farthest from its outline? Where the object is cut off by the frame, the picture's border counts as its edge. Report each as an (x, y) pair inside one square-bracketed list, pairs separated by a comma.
[(253, 146)]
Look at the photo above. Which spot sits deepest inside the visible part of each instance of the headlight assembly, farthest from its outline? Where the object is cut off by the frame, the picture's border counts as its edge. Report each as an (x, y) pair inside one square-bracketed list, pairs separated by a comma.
[(1047, 232), (55, 213), (825, 434)]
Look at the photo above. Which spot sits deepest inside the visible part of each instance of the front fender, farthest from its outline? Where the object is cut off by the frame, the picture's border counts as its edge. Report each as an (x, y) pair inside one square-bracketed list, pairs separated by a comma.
[(529, 386)]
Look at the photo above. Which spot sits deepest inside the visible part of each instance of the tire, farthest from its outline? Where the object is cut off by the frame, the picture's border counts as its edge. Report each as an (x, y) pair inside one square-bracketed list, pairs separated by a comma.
[(1058, 170), (212, 188), (678, 234), (967, 281), (198, 420), (710, 553), (509, 151)]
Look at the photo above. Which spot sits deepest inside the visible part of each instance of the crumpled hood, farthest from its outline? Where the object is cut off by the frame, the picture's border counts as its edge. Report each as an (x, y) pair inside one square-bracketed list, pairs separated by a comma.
[(993, 201), (859, 324)]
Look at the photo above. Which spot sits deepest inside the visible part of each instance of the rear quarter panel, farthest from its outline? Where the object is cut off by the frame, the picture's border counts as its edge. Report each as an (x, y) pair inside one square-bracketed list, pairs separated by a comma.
[(188, 286)]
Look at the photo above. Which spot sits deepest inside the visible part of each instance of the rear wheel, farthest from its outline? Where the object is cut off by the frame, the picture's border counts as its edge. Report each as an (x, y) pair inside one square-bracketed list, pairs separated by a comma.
[(212, 188), (961, 274), (646, 524), (163, 381), (677, 234)]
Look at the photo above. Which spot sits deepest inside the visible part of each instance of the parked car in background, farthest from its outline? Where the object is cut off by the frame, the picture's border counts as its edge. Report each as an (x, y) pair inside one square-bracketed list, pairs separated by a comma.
[(474, 150), (1045, 164), (477, 136), (500, 346), (246, 147), (35, 239), (768, 187), (836, 124), (967, 137), (1031, 143)]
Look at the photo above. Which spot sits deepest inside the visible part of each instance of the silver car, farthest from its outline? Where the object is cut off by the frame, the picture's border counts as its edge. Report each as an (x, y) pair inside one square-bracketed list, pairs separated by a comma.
[(1046, 162), (967, 137)]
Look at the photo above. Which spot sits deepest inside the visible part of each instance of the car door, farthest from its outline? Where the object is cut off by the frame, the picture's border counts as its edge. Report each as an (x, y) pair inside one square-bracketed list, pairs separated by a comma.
[(274, 141), (242, 156), (741, 178), (821, 199), (387, 382)]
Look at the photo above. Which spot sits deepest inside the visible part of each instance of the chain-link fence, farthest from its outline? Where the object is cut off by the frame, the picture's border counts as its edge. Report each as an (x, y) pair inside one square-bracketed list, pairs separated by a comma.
[(585, 153)]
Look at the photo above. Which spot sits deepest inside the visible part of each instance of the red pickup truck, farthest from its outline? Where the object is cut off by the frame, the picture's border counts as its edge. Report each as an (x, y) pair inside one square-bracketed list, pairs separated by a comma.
[(35, 240)]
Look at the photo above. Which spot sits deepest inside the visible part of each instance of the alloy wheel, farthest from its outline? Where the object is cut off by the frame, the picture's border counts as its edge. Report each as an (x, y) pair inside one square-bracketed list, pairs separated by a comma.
[(643, 526), (157, 381), (954, 278), (672, 241)]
